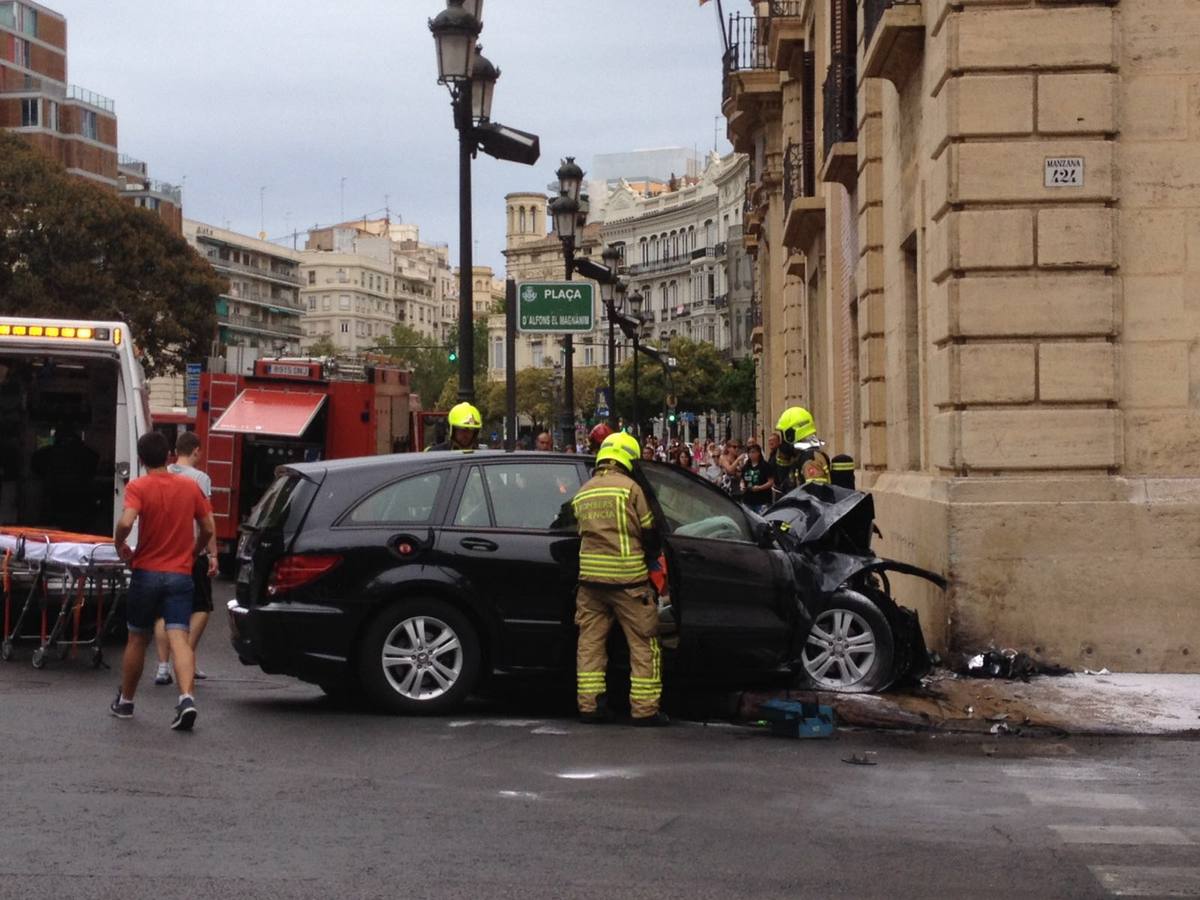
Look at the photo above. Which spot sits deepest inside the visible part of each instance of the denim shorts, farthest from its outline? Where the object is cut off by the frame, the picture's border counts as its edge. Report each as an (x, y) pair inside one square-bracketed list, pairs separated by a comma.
[(159, 595)]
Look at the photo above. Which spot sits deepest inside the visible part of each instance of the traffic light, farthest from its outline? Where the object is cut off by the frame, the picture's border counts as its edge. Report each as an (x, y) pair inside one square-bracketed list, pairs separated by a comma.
[(452, 356), (672, 417)]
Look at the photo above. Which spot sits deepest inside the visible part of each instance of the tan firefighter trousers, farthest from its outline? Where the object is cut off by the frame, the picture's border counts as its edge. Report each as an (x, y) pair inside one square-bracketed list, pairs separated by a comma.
[(637, 611)]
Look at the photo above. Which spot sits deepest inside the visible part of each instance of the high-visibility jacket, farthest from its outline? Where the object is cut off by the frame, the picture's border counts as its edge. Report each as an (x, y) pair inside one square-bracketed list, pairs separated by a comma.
[(809, 466), (617, 528)]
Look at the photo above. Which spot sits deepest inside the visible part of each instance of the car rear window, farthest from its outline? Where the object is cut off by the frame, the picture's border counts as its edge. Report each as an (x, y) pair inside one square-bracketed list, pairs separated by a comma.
[(411, 500), (273, 508)]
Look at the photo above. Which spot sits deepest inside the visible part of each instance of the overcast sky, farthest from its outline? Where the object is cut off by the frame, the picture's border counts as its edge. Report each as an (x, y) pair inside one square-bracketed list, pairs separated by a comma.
[(293, 95)]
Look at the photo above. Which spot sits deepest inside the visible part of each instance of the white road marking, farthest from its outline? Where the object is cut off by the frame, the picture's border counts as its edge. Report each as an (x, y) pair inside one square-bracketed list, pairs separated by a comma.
[(599, 773), (547, 729), (1138, 835), (1148, 881), (521, 795), (1081, 800)]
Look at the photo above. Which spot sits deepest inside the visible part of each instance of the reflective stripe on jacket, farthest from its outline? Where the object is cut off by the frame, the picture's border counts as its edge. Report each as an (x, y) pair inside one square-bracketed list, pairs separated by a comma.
[(612, 513)]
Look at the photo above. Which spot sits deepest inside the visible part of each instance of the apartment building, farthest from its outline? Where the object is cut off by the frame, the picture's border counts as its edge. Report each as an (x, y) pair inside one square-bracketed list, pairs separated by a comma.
[(363, 278), (678, 256), (137, 187), (73, 125), (973, 226), (261, 310)]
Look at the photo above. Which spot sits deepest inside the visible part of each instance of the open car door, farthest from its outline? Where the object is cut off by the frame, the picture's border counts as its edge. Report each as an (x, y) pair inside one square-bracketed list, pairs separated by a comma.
[(735, 600)]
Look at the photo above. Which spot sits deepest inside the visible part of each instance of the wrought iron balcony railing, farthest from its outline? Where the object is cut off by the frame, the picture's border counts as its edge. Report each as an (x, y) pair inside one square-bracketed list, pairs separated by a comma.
[(841, 101), (747, 43), (785, 8)]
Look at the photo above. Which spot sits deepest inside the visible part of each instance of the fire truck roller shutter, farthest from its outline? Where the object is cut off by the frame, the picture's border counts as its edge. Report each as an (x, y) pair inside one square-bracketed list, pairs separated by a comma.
[(261, 411)]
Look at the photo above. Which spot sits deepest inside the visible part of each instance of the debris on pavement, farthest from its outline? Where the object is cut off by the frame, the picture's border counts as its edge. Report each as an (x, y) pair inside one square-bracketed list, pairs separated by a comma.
[(861, 759), (1010, 664), (1096, 672), (1074, 704)]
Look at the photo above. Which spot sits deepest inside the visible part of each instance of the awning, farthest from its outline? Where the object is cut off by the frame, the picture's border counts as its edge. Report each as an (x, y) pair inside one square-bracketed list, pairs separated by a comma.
[(277, 413)]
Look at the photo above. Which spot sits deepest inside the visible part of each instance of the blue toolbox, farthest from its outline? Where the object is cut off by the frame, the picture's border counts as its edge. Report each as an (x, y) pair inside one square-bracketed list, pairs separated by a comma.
[(791, 718)]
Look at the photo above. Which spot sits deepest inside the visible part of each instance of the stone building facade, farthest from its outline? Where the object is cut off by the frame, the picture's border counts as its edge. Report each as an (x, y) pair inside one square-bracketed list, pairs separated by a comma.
[(975, 226)]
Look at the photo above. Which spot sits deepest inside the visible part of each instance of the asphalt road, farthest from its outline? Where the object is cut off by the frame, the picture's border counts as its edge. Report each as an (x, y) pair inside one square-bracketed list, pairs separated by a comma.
[(279, 793)]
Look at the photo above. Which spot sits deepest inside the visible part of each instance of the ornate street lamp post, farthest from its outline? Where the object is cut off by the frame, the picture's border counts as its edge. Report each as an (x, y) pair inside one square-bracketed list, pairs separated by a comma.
[(568, 220), (471, 79)]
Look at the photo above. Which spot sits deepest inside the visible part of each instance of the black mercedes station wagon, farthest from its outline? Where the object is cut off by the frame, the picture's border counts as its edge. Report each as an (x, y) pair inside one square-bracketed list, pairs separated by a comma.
[(410, 577)]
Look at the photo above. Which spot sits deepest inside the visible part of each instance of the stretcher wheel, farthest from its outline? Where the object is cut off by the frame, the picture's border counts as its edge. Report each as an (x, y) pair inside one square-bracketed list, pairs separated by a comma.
[(97, 657), (39, 658), (6, 651)]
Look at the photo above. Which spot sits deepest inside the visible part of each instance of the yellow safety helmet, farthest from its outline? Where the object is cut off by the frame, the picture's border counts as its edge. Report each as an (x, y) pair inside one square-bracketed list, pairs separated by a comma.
[(464, 415), (620, 447), (795, 424)]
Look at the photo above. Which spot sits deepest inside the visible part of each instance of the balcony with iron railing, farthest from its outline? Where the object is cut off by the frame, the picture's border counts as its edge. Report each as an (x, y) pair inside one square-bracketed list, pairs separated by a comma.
[(893, 38), (840, 120), (678, 261), (804, 212), (748, 76), (786, 31)]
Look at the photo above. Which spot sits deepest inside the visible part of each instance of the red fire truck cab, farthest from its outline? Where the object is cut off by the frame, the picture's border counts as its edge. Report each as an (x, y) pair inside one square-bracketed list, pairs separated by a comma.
[(293, 410)]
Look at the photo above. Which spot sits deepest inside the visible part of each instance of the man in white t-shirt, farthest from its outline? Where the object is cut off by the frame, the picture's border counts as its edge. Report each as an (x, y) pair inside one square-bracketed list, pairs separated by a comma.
[(187, 458)]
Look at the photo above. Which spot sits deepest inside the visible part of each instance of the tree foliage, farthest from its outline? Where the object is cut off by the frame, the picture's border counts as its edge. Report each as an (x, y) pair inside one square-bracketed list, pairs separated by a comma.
[(430, 361), (73, 249), (736, 387), (696, 381)]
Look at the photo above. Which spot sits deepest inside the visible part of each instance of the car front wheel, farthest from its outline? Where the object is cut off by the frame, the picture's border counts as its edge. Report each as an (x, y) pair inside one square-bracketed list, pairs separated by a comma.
[(419, 656), (850, 648)]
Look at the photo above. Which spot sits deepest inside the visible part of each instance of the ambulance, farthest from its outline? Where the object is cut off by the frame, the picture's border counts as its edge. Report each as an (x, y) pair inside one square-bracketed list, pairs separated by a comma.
[(73, 404)]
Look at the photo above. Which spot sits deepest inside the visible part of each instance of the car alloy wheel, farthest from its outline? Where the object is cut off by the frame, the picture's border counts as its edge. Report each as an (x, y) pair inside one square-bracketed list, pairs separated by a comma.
[(422, 658), (850, 646), (419, 655)]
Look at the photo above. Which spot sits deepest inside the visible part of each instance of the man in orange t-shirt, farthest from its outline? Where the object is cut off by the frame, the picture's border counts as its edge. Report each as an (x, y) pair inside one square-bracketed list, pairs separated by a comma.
[(164, 506)]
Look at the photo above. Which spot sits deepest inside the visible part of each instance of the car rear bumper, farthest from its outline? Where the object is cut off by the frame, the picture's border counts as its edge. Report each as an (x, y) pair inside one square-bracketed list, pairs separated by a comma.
[(307, 641)]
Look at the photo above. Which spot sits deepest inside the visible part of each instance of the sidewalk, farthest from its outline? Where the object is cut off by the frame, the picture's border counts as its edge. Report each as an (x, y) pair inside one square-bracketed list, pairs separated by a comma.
[(1120, 704)]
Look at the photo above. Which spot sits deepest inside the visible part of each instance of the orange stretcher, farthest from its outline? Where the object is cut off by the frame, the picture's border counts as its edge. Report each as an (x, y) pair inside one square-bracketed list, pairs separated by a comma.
[(60, 574)]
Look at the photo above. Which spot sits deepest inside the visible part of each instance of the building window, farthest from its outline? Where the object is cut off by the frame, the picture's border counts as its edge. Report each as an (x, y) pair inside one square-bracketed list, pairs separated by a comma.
[(29, 112), (52, 115), (312, 276), (325, 302), (87, 124), (345, 326), (20, 52), (589, 356), (537, 355), (344, 301), (312, 304)]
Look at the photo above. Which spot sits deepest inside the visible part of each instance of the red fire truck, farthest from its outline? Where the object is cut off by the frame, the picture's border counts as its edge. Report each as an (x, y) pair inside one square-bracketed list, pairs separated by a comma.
[(295, 410)]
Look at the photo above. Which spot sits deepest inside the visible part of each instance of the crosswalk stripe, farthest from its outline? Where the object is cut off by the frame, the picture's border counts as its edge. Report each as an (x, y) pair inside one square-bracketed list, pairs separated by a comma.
[(1149, 881), (1083, 800), (1122, 834)]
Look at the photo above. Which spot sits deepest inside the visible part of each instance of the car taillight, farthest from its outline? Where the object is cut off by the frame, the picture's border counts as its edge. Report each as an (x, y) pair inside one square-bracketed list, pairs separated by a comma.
[(291, 572)]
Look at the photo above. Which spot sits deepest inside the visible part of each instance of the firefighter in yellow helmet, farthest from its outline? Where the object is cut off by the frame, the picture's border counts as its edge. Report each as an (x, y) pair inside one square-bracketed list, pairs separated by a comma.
[(617, 528), (465, 422), (799, 459)]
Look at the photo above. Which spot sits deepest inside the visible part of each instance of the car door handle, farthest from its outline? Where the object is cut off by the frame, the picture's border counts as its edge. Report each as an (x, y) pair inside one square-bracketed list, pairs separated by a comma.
[(486, 546), (690, 554)]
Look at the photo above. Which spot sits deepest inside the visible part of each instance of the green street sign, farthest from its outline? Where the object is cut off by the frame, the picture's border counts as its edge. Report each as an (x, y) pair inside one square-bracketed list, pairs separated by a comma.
[(554, 307)]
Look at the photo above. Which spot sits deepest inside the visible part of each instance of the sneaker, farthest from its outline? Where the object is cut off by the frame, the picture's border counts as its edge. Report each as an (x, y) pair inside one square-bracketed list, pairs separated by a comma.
[(163, 675), (119, 709), (200, 675), (657, 720), (185, 715)]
